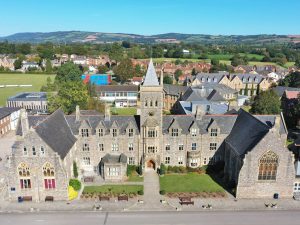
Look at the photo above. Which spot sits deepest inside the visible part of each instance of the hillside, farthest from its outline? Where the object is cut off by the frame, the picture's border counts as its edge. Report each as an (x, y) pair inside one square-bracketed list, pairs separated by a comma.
[(99, 37)]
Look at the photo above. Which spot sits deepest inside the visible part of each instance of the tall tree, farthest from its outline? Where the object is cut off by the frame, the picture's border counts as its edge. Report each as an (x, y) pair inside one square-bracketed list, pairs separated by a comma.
[(124, 70), (68, 72), (116, 52), (267, 102)]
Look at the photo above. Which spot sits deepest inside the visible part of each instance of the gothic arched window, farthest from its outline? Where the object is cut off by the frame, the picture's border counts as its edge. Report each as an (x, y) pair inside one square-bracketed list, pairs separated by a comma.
[(24, 174), (49, 179), (268, 165)]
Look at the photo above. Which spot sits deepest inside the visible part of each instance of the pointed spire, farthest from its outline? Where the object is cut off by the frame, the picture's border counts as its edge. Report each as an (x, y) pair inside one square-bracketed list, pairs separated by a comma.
[(151, 77)]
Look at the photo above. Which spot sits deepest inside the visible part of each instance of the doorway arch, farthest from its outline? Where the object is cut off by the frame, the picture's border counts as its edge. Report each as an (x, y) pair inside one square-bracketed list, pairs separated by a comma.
[(150, 164)]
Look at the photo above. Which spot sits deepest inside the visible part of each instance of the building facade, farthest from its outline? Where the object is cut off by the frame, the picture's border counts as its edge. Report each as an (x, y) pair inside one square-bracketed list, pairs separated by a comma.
[(103, 145)]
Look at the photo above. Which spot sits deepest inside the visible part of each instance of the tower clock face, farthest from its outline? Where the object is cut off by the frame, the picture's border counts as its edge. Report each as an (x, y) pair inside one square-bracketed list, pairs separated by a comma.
[(151, 113)]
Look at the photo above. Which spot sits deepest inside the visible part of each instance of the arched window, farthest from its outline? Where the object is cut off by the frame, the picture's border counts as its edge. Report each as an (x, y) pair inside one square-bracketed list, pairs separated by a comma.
[(24, 176), (49, 176), (151, 103), (24, 170), (156, 103), (268, 165)]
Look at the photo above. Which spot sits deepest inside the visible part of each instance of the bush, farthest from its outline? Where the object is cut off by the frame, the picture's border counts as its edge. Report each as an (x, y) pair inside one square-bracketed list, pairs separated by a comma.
[(162, 169), (75, 184), (131, 169), (162, 192), (140, 192)]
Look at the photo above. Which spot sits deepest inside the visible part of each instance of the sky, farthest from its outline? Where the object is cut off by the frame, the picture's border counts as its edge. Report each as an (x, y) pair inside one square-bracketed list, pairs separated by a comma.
[(152, 16)]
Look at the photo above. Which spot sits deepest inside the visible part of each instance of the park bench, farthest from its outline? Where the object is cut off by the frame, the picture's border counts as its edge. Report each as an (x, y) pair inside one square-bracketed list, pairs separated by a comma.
[(27, 198), (186, 201), (49, 199), (122, 198), (104, 198)]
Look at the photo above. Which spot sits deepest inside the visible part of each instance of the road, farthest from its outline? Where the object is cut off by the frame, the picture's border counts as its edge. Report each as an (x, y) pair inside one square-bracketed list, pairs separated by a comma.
[(154, 218)]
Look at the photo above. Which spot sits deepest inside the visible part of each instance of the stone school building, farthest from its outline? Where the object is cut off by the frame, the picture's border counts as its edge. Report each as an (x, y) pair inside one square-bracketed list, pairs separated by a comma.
[(257, 161)]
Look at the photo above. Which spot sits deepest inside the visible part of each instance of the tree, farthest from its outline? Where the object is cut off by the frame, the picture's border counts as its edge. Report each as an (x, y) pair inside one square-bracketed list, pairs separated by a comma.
[(95, 104), (291, 80), (194, 72), (49, 87), (116, 52), (267, 102), (126, 44), (69, 95), (48, 68), (124, 70), (177, 74), (18, 64), (168, 80), (102, 69), (68, 72), (75, 169)]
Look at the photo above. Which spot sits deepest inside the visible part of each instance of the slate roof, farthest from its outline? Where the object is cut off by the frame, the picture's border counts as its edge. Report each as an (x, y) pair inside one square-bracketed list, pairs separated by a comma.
[(109, 158), (54, 130), (29, 96), (281, 89), (151, 77), (171, 89), (248, 130), (6, 111), (249, 78), (210, 77)]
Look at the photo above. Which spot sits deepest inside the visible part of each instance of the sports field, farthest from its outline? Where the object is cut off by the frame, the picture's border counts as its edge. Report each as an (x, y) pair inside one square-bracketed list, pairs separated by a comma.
[(36, 80)]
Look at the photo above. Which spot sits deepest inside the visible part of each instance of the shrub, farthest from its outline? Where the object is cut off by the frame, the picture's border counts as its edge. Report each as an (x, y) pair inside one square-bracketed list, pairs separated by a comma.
[(75, 184), (72, 194), (162, 169), (140, 192), (131, 169), (162, 192), (75, 169)]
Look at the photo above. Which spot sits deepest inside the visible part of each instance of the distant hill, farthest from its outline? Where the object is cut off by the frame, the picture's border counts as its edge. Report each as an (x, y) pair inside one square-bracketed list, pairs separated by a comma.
[(99, 37)]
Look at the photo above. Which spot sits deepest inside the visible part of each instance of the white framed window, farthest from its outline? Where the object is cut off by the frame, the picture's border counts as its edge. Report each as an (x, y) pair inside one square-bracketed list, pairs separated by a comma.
[(194, 162), (130, 132), (101, 132), (212, 146), (167, 160), (84, 132), (194, 132), (180, 160), (130, 146), (86, 161), (194, 146), (114, 132), (168, 148), (113, 171), (101, 147), (151, 149), (42, 150), (131, 161), (25, 152), (33, 151), (213, 132), (85, 147), (180, 147), (297, 187), (174, 132), (205, 161), (115, 147)]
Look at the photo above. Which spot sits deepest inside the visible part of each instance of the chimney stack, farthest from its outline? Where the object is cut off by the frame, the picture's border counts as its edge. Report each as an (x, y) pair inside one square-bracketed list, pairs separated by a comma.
[(199, 112), (107, 113), (24, 122), (77, 113)]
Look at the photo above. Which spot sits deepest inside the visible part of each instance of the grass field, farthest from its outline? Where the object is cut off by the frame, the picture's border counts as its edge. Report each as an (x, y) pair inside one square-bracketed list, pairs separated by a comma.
[(134, 177), (123, 111), (114, 189), (190, 182), (160, 60), (37, 81)]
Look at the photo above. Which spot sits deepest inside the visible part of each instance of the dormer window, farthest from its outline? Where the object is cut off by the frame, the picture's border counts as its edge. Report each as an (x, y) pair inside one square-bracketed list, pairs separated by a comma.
[(84, 132), (213, 132), (174, 132), (130, 132), (215, 80), (255, 80), (42, 150), (114, 132), (244, 80), (208, 79), (250, 79), (194, 132), (101, 132), (202, 79), (85, 147)]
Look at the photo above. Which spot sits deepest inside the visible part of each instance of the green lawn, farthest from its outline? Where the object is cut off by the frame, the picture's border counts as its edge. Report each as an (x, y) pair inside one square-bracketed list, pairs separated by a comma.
[(123, 111), (114, 189), (134, 177), (190, 182), (37, 81), (220, 56)]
